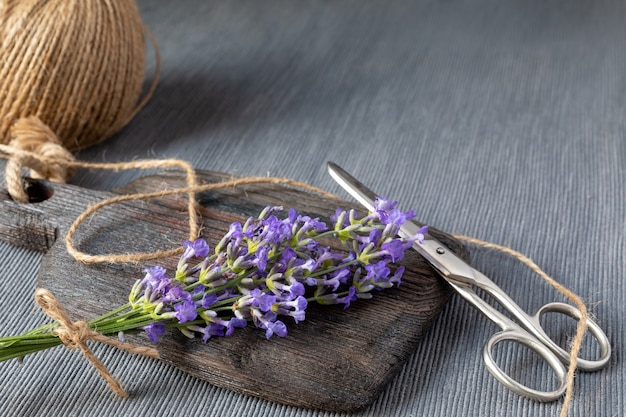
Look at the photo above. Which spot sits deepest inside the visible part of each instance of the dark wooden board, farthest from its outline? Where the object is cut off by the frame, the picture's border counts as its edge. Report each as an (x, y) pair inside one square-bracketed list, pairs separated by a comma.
[(335, 360)]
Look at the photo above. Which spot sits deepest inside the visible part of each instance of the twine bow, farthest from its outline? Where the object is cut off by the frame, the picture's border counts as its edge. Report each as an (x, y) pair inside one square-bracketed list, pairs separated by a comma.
[(74, 335)]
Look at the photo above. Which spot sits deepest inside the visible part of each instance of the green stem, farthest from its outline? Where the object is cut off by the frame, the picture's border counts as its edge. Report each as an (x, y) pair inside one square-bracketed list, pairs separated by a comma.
[(333, 269), (110, 314)]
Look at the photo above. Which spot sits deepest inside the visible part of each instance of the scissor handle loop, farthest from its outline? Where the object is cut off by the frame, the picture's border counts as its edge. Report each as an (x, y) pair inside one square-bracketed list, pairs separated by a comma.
[(592, 327), (520, 336)]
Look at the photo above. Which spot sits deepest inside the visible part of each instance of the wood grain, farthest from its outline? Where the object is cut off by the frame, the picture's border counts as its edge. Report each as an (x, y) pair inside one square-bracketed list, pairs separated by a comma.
[(336, 359)]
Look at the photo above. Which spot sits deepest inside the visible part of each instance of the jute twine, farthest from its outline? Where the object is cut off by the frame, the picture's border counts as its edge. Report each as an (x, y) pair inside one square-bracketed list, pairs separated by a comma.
[(74, 334), (77, 65), (71, 75)]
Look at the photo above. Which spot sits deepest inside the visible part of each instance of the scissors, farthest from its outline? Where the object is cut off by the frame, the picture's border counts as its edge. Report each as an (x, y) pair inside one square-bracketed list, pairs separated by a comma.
[(525, 329)]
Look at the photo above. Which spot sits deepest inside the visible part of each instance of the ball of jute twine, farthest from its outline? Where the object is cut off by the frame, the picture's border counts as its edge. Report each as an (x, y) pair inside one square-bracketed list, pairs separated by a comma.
[(71, 75), (77, 332), (77, 65)]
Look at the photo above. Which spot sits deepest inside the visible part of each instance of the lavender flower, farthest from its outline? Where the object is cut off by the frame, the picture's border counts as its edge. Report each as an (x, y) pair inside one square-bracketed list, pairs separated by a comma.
[(154, 331)]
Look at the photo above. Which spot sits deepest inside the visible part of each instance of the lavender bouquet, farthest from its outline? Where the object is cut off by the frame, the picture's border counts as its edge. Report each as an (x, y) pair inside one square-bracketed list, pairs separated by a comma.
[(260, 273)]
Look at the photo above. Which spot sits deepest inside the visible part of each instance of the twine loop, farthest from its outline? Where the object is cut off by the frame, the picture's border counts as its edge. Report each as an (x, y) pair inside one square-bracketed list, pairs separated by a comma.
[(38, 148), (74, 335)]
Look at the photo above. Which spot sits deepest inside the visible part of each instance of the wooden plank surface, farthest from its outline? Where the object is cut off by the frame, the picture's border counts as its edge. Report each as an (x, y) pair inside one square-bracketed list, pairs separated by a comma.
[(335, 360)]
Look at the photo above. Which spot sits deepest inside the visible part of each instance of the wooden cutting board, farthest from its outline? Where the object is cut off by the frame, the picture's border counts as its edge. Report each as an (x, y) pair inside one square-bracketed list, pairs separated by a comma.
[(336, 359)]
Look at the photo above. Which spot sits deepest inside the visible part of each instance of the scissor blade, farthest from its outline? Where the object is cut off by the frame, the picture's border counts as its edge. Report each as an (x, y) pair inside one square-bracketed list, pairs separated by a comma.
[(354, 187), (449, 266)]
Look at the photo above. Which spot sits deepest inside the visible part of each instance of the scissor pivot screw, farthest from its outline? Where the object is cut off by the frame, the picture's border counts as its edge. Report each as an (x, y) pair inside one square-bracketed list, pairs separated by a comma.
[(440, 250)]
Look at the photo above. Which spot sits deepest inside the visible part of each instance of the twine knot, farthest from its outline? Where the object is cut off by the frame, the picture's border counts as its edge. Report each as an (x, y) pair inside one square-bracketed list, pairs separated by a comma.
[(36, 147), (74, 336)]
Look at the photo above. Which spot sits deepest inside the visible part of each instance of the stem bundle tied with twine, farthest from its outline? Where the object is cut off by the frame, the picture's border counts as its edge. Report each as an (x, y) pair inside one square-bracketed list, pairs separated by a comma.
[(77, 336)]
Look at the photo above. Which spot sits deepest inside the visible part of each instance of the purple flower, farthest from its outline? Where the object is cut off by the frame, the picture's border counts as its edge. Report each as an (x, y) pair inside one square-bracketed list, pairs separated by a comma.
[(294, 308), (374, 236), (397, 276), (185, 311), (277, 327), (234, 323), (395, 248), (301, 265), (260, 270), (155, 279), (337, 278), (261, 300), (212, 329), (234, 231), (221, 327), (261, 258), (383, 204), (347, 299), (292, 290), (295, 289), (208, 300), (298, 315), (154, 273), (176, 294), (287, 256), (399, 217), (275, 231), (154, 331), (198, 248), (378, 271), (421, 234), (155, 284), (309, 224), (389, 214)]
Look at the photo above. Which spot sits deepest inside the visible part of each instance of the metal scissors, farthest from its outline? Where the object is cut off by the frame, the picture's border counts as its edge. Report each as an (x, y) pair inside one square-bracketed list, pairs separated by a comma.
[(525, 329)]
